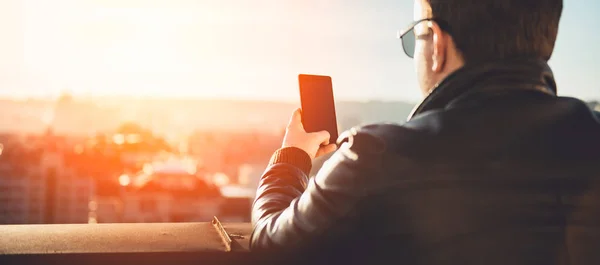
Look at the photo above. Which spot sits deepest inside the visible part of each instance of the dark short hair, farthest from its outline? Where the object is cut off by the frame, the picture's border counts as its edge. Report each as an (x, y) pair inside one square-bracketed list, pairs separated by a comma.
[(501, 29)]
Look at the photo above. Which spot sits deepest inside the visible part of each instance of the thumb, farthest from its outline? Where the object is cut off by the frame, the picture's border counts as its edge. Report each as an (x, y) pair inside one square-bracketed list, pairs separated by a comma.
[(322, 137), (296, 119)]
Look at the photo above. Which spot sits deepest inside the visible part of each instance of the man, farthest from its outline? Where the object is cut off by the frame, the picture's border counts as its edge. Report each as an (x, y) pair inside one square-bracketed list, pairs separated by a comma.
[(491, 168)]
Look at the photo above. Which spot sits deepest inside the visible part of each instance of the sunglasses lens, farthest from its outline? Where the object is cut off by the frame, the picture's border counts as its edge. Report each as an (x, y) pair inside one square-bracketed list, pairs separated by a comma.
[(408, 43)]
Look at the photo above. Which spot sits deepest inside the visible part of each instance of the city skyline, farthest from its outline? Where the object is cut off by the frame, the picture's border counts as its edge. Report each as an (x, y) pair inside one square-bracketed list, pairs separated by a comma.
[(236, 49)]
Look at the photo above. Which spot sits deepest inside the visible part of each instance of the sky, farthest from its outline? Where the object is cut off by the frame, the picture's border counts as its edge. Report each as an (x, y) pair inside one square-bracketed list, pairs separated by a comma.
[(241, 49)]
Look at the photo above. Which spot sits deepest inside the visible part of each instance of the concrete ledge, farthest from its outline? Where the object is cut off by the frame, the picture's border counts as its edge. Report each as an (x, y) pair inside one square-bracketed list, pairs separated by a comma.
[(158, 243)]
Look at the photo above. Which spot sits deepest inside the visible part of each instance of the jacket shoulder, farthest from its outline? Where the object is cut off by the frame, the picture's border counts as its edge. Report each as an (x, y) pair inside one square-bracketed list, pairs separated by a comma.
[(378, 138)]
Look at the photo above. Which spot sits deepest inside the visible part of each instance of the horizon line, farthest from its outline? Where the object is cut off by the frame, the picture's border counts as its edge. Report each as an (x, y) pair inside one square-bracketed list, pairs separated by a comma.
[(83, 98)]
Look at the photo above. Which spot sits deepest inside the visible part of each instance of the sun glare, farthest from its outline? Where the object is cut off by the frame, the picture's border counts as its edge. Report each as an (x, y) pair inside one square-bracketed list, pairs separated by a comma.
[(132, 47)]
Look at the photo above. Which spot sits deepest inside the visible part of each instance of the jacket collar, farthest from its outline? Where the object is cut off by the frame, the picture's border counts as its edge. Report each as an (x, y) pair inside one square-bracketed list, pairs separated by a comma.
[(516, 74)]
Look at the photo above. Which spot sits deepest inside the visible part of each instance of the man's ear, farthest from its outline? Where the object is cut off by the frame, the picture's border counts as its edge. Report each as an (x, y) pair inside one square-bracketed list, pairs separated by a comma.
[(440, 48)]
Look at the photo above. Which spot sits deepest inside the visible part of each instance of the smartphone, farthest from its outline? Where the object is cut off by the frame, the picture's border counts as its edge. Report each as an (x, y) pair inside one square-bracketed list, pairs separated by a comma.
[(318, 106)]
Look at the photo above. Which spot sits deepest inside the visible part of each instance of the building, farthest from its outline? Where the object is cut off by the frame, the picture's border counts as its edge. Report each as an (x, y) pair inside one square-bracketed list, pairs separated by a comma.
[(106, 210), (68, 189), (237, 203), (169, 192), (21, 193), (21, 197), (73, 197), (42, 184)]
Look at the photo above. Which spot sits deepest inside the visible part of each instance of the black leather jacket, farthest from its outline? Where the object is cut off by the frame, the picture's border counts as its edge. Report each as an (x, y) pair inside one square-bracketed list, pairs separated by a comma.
[(491, 168)]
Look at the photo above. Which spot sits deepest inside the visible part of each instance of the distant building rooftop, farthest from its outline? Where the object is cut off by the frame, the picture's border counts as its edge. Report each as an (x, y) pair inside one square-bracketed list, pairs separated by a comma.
[(238, 192)]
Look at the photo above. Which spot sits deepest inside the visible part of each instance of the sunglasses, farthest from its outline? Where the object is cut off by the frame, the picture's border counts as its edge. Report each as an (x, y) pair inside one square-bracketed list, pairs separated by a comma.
[(409, 38)]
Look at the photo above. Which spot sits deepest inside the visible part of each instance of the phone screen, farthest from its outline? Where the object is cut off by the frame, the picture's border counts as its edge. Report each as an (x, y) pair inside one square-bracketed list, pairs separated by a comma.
[(318, 106)]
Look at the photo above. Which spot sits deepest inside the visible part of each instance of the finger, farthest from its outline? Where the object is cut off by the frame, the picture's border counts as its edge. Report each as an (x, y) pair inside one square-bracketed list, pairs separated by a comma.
[(296, 119), (322, 137), (326, 149)]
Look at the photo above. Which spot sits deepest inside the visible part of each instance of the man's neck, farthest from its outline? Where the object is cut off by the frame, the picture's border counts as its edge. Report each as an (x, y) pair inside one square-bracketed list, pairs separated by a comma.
[(515, 73)]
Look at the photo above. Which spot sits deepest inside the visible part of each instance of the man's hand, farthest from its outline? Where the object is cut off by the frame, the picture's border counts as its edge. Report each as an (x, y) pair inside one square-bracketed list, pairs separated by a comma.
[(315, 144)]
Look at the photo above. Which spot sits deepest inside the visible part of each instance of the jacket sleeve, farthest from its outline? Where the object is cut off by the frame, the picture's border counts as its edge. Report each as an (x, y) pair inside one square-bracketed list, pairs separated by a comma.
[(292, 211)]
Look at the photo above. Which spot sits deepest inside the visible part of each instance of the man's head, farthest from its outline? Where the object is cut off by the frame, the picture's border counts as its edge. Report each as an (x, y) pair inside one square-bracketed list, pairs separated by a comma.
[(470, 31)]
